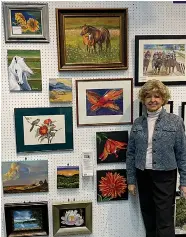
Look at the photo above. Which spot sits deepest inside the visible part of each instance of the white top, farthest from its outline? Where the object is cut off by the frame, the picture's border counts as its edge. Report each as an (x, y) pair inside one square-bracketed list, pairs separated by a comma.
[(151, 120)]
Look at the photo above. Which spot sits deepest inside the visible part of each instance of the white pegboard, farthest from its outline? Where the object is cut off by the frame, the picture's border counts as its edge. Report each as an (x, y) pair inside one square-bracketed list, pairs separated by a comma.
[(116, 219)]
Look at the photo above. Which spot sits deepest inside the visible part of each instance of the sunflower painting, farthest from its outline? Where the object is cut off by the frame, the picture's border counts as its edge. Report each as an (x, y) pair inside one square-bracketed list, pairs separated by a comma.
[(26, 22), (112, 185), (111, 146)]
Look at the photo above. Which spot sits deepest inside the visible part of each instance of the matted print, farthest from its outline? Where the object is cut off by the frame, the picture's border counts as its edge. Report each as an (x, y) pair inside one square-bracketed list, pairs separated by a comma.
[(60, 90), (67, 177), (24, 70), (90, 39), (180, 217), (104, 101), (42, 129), (112, 185), (111, 146), (161, 57), (25, 176)]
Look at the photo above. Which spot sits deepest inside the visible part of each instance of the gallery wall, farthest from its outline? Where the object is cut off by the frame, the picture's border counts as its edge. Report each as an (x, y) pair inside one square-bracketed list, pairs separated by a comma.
[(118, 218)]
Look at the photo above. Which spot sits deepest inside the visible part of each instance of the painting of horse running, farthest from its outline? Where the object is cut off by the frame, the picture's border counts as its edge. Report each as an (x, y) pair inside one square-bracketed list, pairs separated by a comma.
[(93, 40), (24, 70)]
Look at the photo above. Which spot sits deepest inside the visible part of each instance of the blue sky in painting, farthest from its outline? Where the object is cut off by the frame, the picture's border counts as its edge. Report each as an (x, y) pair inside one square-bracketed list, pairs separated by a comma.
[(67, 167), (104, 111), (164, 46)]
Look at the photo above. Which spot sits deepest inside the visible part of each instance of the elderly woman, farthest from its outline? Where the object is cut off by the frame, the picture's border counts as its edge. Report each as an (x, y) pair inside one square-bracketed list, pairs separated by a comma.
[(156, 148)]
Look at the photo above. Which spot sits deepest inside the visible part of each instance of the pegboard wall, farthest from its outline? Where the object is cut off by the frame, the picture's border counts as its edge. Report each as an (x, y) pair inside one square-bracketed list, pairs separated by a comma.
[(111, 219)]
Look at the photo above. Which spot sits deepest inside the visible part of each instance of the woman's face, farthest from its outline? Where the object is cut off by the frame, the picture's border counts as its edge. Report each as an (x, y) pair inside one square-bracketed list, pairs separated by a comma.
[(153, 101)]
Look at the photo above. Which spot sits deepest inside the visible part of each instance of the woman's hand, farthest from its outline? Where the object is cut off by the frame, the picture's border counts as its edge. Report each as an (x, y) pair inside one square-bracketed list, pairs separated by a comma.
[(132, 189), (183, 190)]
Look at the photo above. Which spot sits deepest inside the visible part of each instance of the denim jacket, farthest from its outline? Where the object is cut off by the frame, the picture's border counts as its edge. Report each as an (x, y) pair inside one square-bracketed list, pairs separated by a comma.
[(168, 146)]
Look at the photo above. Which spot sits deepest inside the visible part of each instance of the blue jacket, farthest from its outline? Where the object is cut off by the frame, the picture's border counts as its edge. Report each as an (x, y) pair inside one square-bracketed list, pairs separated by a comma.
[(168, 146)]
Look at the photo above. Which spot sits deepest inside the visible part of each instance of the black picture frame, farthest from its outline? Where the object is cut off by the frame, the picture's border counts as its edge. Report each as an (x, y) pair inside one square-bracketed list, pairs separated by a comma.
[(37, 211), (143, 60)]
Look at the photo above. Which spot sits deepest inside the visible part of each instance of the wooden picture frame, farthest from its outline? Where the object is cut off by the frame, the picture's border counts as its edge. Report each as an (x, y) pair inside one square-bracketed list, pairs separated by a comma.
[(92, 39), (161, 57), (43, 129), (26, 22), (115, 106), (168, 107), (72, 218), (35, 212)]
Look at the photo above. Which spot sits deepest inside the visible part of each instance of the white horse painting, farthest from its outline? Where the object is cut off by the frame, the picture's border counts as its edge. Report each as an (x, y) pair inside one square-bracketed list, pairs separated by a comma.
[(18, 74)]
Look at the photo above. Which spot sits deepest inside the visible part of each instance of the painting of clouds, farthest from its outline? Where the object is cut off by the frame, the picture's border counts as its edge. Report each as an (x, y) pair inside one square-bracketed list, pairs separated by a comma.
[(60, 90), (25, 176)]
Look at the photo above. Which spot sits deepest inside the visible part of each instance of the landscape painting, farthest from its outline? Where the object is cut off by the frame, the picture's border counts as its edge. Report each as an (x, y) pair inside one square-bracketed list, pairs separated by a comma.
[(25, 176), (180, 217), (60, 90), (111, 146), (24, 70), (112, 185), (67, 177), (92, 39)]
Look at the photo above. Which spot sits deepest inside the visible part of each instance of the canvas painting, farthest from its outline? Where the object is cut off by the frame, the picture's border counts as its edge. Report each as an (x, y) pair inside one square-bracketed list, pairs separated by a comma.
[(180, 217), (24, 70), (44, 129), (68, 177), (112, 185), (71, 218), (60, 90), (25, 176), (111, 146)]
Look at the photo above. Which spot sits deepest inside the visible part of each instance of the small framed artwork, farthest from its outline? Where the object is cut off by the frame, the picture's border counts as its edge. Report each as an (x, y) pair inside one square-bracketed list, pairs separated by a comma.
[(43, 129), (25, 176), (72, 218), (26, 219), (183, 112), (60, 90), (111, 146), (161, 57), (92, 39), (26, 22), (24, 70), (180, 217), (112, 185), (168, 107), (104, 102), (67, 177)]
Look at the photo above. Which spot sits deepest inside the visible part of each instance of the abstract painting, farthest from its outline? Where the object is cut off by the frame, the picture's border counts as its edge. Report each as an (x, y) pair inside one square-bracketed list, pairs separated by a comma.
[(111, 146), (25, 176), (112, 185), (92, 39), (24, 70), (180, 217), (104, 101), (60, 90), (67, 177)]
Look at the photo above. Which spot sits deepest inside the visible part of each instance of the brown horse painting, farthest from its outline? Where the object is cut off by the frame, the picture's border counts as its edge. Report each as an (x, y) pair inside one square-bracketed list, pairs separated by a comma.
[(100, 36)]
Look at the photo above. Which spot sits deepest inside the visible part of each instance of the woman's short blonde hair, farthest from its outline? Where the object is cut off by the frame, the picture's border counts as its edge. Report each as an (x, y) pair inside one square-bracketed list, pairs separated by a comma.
[(154, 86)]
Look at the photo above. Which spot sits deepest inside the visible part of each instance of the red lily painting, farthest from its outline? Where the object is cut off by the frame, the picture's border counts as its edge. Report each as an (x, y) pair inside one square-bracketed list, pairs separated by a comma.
[(111, 146)]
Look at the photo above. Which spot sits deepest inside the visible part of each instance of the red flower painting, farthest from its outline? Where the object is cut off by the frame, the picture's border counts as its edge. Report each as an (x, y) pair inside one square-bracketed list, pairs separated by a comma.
[(112, 185)]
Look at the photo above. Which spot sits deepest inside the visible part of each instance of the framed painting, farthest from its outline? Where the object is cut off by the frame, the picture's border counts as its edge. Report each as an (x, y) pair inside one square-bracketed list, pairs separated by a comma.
[(183, 112), (43, 129), (161, 57), (26, 219), (168, 107), (72, 218), (67, 177), (60, 90), (111, 146), (26, 22), (92, 39), (180, 217), (24, 70), (104, 101), (112, 185), (25, 176)]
